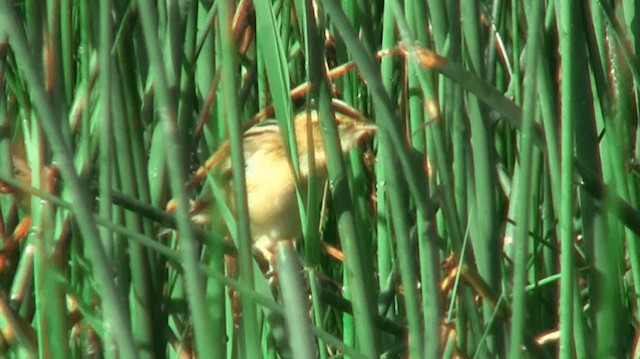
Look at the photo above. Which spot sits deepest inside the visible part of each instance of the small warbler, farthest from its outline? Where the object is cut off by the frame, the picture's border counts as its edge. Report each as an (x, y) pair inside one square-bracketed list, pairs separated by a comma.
[(270, 177)]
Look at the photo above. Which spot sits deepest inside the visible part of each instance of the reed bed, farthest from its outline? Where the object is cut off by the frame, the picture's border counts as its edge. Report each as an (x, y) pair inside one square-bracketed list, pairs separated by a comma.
[(494, 214)]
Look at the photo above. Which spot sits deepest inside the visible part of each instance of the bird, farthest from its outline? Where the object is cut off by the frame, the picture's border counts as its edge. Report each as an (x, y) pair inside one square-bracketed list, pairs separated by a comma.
[(271, 180)]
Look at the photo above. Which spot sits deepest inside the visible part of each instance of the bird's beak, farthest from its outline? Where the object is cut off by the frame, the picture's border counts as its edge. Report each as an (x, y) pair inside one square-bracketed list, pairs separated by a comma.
[(354, 133)]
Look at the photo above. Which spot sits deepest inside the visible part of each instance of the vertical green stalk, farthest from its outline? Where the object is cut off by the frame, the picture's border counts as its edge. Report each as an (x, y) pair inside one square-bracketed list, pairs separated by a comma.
[(607, 256), (113, 308), (177, 177), (187, 60), (317, 310), (277, 73), (580, 327), (385, 257), (523, 190), (127, 179), (105, 155), (106, 139), (458, 129), (67, 48), (471, 31), (204, 74), (359, 282), (567, 26), (548, 112), (50, 319), (250, 327), (348, 82), (416, 118), (484, 227), (363, 309), (382, 104), (515, 60), (53, 59), (310, 219), (295, 299), (5, 126), (426, 225), (418, 335), (439, 19)]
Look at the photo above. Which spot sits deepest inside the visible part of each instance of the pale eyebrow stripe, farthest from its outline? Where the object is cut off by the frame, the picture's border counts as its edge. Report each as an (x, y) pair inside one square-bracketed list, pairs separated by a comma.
[(259, 131)]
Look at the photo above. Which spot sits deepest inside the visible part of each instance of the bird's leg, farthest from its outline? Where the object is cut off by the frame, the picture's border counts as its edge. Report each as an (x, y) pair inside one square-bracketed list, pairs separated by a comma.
[(264, 250)]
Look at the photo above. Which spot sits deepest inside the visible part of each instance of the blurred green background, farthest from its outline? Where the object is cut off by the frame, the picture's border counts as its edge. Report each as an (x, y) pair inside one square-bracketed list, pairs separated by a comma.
[(494, 214)]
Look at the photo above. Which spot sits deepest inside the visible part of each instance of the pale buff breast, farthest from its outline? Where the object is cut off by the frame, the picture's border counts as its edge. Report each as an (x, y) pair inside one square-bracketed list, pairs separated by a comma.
[(272, 200)]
